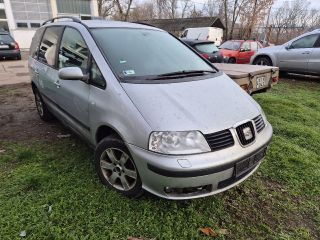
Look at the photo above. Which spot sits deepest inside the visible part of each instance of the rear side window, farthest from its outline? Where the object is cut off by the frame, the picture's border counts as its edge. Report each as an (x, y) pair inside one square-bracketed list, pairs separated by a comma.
[(305, 42), (48, 46), (36, 42), (73, 50)]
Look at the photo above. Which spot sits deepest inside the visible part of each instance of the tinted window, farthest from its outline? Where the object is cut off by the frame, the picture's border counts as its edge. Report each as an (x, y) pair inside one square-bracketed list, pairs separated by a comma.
[(231, 45), (305, 42), (48, 46), (6, 38), (246, 46), (73, 50), (206, 47), (35, 43), (96, 77), (22, 25), (142, 52)]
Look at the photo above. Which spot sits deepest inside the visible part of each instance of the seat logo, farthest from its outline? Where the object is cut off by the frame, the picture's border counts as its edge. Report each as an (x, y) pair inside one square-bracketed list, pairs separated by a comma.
[(247, 133)]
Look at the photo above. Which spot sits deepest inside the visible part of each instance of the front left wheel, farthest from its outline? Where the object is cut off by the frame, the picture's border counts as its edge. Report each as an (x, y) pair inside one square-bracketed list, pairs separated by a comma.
[(42, 109), (116, 168)]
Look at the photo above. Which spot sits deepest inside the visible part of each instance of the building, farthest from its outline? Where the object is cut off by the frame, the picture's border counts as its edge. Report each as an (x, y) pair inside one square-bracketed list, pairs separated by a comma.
[(178, 25), (23, 17)]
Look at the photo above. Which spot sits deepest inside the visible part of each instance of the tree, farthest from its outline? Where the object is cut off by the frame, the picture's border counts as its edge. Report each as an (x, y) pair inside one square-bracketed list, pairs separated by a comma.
[(123, 8), (105, 8)]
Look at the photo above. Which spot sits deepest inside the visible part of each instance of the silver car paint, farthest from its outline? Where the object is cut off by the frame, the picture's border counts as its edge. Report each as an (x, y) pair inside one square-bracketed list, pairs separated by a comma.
[(304, 60), (135, 110)]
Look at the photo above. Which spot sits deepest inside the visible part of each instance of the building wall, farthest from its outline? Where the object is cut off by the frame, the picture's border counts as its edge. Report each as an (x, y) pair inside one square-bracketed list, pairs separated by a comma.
[(25, 16)]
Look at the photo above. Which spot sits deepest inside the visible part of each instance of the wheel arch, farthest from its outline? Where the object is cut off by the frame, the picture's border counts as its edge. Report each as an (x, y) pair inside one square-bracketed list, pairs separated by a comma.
[(266, 56), (105, 131)]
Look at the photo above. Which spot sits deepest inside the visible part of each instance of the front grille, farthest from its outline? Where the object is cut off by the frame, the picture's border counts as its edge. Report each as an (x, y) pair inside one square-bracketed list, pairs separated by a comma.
[(258, 121), (219, 140), (240, 131)]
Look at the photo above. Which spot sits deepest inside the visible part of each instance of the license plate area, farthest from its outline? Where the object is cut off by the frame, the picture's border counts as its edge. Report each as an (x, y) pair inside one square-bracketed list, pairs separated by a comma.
[(4, 47), (261, 82), (247, 164)]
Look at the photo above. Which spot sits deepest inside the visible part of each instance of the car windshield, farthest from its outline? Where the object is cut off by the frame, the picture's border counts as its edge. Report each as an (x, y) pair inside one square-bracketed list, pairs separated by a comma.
[(206, 47), (141, 53), (5, 38), (230, 45)]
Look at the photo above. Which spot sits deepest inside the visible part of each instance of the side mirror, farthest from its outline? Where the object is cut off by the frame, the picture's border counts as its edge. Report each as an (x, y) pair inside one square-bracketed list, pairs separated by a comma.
[(71, 73), (287, 47)]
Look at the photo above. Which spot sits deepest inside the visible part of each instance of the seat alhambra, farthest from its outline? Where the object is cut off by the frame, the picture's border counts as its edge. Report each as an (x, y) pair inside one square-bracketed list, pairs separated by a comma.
[(159, 116)]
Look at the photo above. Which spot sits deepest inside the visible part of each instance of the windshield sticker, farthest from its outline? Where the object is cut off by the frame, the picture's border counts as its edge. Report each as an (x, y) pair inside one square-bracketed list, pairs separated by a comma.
[(129, 72), (122, 61)]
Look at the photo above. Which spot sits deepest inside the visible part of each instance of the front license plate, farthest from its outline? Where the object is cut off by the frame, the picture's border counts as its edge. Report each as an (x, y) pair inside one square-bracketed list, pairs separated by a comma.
[(4, 47), (248, 163), (261, 82)]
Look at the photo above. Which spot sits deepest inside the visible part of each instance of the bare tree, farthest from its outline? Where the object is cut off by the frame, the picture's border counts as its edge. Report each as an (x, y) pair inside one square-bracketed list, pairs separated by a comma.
[(105, 8), (123, 9), (236, 9), (143, 11), (185, 6)]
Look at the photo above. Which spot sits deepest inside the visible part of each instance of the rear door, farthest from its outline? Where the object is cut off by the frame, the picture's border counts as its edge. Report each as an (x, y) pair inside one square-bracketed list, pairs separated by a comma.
[(73, 95), (47, 67), (314, 60), (296, 57)]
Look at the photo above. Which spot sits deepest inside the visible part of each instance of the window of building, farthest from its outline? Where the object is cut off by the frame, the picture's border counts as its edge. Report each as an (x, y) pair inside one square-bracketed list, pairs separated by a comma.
[(4, 26), (74, 6), (96, 77), (35, 25), (3, 14), (48, 46), (1, 1), (73, 50), (22, 25)]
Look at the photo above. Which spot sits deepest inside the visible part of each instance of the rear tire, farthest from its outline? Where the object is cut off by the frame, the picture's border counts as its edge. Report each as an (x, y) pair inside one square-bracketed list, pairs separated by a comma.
[(263, 61), (116, 168), (232, 60), (42, 109)]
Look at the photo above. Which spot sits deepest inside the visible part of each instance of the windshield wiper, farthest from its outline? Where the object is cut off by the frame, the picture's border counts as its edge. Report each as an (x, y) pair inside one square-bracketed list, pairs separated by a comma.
[(182, 74)]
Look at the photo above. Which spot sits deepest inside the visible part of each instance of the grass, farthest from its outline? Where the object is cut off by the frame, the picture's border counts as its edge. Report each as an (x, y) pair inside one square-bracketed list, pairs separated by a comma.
[(51, 191)]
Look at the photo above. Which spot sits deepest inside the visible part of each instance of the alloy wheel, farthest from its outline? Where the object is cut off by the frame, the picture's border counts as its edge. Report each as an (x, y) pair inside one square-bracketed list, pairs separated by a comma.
[(39, 104)]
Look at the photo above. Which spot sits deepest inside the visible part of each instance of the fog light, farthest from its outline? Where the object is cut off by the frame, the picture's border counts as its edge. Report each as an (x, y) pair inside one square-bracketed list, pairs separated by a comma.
[(167, 189)]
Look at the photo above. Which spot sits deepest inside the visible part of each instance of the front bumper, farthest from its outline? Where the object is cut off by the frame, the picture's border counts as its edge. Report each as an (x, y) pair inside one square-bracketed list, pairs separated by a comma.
[(199, 175)]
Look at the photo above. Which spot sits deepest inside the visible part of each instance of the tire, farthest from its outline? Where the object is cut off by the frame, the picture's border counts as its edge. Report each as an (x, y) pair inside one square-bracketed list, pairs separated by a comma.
[(116, 168), (264, 61), (18, 57), (232, 60), (42, 109)]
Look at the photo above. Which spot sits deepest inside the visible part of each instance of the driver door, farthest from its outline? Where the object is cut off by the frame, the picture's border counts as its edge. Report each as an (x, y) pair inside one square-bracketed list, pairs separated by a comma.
[(296, 56)]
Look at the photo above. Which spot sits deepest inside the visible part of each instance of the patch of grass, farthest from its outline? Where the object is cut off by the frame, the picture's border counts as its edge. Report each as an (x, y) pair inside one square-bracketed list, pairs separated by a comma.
[(280, 201)]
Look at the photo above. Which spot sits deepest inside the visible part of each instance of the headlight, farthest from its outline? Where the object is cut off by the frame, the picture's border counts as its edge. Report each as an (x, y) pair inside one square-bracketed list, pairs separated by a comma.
[(188, 142)]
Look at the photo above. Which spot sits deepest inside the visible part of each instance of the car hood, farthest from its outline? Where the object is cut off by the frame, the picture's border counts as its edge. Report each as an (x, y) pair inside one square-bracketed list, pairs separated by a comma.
[(208, 105), (270, 49)]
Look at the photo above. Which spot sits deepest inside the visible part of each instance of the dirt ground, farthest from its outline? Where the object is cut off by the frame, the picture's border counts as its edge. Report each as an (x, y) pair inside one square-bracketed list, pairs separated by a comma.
[(19, 120)]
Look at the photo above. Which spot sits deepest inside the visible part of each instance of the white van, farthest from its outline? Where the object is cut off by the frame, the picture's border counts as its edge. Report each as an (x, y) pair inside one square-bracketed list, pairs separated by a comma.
[(204, 33)]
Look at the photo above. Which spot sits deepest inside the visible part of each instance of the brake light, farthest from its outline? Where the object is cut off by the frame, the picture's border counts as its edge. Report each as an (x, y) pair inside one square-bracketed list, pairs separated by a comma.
[(206, 56), (16, 46)]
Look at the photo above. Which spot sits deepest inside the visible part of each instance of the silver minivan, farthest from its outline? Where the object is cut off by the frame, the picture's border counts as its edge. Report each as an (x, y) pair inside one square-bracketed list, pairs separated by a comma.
[(160, 117)]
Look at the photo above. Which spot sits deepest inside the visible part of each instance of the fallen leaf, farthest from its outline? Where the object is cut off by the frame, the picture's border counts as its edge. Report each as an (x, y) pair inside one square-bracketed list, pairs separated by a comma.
[(63, 135), (50, 209), (23, 233), (208, 232)]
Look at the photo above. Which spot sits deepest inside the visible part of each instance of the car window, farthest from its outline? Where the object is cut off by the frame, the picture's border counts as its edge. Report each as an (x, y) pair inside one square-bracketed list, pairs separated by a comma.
[(305, 42), (73, 50), (254, 46), (48, 46), (96, 77), (185, 33), (35, 42), (246, 46), (206, 47), (6, 38), (141, 53), (230, 45)]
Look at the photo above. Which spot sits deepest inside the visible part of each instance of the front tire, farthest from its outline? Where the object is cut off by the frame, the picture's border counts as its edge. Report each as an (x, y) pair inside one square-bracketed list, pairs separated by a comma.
[(42, 109), (263, 61), (232, 60), (116, 168)]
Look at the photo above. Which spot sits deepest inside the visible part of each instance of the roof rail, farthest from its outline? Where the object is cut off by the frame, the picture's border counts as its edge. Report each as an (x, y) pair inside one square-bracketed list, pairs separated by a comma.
[(74, 19), (143, 23)]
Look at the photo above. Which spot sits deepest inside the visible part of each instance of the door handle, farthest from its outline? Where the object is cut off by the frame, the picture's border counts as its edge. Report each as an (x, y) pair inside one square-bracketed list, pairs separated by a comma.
[(57, 83), (306, 52)]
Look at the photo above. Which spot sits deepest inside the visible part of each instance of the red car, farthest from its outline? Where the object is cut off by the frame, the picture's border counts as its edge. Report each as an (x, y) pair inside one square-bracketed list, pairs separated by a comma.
[(239, 51)]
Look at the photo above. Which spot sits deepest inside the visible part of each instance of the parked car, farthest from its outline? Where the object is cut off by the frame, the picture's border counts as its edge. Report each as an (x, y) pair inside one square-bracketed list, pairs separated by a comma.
[(239, 51), (206, 49), (160, 119), (204, 33), (9, 48), (300, 55)]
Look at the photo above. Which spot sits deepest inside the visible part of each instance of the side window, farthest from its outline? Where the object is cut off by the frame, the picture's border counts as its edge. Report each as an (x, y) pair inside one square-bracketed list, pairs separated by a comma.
[(254, 46), (48, 46), (36, 42), (246, 46), (73, 50), (305, 42), (96, 77)]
